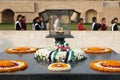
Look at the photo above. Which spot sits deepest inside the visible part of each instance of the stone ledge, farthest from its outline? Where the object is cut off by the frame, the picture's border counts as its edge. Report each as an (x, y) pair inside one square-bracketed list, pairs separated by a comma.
[(81, 39)]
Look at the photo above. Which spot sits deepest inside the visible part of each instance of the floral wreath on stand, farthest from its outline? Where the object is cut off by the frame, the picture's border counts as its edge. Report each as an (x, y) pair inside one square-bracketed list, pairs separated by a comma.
[(63, 53), (63, 47)]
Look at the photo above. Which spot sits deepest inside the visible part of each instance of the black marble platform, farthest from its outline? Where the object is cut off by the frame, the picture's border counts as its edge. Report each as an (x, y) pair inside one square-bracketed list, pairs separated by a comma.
[(39, 71)]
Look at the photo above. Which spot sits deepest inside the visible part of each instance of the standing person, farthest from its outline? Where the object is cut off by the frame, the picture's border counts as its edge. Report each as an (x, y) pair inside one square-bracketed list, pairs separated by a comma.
[(114, 24), (57, 23), (103, 24), (23, 23), (95, 25), (42, 24), (80, 25), (18, 25), (37, 26)]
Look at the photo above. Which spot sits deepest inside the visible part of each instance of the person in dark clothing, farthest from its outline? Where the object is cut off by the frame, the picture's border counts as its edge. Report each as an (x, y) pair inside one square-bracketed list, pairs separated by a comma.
[(37, 26), (18, 25), (114, 24), (42, 24), (103, 24), (95, 25), (23, 23)]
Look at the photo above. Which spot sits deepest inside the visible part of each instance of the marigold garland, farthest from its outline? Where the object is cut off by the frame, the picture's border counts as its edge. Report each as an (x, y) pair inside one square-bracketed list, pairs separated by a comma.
[(59, 67), (97, 50), (106, 65), (12, 65), (21, 50)]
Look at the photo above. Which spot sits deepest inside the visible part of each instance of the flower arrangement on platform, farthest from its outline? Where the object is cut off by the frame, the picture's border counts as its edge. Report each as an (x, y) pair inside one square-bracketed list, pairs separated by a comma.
[(12, 65), (21, 50), (106, 65), (97, 50)]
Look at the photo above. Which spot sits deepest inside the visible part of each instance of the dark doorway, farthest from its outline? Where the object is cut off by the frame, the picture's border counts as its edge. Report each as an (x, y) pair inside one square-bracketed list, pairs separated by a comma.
[(7, 16)]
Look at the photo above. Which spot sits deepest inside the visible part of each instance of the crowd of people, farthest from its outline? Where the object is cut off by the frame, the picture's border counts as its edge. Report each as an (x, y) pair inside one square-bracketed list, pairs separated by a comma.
[(39, 24), (99, 26), (20, 23)]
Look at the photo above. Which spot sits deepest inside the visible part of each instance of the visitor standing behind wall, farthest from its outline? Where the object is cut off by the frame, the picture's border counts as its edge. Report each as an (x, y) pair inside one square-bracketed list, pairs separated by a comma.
[(115, 24), (80, 25), (37, 26), (18, 25), (23, 23), (42, 24), (95, 25), (103, 24), (57, 23)]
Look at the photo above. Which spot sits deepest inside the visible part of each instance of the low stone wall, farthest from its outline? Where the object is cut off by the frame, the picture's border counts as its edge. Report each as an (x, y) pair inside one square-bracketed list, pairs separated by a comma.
[(81, 39)]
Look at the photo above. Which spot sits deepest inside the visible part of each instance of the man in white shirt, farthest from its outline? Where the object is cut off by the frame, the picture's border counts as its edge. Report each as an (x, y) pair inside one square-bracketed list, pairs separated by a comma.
[(57, 23), (93, 24)]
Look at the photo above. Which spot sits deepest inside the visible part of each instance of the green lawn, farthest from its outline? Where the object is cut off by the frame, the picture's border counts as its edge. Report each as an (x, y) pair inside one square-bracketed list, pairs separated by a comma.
[(87, 26), (11, 26)]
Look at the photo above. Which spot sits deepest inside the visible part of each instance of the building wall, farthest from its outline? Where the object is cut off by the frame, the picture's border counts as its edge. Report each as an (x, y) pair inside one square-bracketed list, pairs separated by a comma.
[(17, 6), (31, 8), (111, 10)]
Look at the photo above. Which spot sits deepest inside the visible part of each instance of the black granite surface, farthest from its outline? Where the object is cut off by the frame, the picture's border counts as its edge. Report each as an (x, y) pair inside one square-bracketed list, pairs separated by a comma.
[(39, 71)]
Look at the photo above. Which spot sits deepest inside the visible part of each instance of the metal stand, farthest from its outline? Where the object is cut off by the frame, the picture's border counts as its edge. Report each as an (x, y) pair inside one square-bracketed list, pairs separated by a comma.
[(61, 40)]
